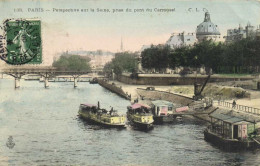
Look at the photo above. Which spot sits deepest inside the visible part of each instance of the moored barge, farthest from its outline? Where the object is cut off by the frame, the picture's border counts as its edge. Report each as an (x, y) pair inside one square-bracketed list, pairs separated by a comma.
[(165, 111), (140, 116), (232, 130), (93, 113)]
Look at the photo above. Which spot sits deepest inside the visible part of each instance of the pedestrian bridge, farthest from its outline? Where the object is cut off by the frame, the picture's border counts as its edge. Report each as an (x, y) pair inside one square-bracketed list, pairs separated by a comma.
[(46, 73)]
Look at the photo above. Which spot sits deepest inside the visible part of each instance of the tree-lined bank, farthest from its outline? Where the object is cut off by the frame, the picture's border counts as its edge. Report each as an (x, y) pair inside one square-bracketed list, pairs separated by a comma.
[(238, 57)]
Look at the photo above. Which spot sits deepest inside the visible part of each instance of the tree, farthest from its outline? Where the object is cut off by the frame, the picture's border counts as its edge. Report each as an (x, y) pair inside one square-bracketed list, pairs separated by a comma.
[(156, 57), (108, 69), (73, 63), (148, 57), (242, 56), (123, 62), (180, 57), (208, 54), (238, 57)]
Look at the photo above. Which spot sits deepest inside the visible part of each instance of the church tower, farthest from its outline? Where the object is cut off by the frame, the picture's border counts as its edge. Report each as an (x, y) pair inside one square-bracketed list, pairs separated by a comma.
[(122, 46)]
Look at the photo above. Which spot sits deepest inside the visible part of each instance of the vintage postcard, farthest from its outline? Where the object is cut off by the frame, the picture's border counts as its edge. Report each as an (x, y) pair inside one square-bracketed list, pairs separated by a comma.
[(129, 82)]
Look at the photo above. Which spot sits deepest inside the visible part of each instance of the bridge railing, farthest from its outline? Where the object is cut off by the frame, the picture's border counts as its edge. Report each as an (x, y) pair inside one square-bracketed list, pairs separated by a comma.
[(239, 107), (32, 71)]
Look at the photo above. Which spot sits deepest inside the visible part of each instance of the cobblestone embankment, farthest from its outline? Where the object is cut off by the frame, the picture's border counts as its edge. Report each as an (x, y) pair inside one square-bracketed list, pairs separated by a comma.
[(162, 95)]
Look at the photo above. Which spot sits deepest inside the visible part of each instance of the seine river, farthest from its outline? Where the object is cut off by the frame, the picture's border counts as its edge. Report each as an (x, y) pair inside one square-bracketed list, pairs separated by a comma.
[(46, 130)]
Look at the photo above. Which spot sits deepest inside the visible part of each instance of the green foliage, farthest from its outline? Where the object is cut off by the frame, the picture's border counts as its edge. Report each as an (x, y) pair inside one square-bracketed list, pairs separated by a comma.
[(107, 70), (180, 57), (72, 63), (208, 54), (156, 57), (123, 62), (242, 56), (238, 57)]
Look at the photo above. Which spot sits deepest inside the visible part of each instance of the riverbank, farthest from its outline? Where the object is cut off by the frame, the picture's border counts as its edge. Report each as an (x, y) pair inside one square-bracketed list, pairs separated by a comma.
[(176, 79), (182, 94), (251, 99)]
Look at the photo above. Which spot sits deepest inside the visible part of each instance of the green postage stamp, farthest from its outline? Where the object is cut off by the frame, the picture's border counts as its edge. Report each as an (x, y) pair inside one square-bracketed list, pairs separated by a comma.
[(23, 40)]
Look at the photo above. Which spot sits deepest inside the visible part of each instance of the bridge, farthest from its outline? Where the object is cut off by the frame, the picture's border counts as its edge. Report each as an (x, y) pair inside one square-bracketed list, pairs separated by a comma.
[(44, 72)]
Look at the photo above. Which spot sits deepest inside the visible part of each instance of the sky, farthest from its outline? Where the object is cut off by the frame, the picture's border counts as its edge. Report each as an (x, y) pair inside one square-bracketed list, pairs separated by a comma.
[(73, 31)]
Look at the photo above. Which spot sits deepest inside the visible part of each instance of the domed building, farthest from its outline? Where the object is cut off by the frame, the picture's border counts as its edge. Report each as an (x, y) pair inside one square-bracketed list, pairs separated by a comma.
[(207, 30)]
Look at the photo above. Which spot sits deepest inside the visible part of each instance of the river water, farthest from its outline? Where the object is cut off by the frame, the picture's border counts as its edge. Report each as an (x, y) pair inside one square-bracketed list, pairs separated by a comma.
[(46, 130)]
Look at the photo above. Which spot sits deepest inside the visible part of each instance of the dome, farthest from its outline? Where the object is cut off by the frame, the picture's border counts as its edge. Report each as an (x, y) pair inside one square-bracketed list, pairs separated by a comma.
[(207, 27)]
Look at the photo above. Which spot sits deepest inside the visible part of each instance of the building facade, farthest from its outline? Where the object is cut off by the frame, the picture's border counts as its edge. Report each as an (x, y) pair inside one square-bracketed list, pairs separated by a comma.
[(242, 33), (181, 39)]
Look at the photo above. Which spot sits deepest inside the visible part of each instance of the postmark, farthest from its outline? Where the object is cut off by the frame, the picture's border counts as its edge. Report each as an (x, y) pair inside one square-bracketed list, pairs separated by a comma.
[(21, 42)]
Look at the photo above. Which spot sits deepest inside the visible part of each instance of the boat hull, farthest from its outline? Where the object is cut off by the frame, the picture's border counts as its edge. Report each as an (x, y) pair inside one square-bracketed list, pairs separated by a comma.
[(142, 126), (93, 82), (163, 119), (228, 144), (139, 125)]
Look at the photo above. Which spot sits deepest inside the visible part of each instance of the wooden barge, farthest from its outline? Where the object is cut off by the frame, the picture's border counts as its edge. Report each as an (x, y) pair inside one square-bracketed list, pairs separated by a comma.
[(232, 130)]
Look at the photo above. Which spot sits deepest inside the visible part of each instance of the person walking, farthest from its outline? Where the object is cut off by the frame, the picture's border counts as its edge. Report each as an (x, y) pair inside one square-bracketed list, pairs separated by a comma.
[(234, 104)]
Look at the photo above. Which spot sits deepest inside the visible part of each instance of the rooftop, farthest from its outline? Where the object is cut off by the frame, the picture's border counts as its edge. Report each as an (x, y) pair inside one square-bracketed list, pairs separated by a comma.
[(207, 27), (231, 116)]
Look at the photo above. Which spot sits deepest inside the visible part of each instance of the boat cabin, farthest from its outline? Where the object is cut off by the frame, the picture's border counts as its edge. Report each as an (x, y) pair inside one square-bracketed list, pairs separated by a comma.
[(89, 107), (138, 108), (233, 125), (162, 107)]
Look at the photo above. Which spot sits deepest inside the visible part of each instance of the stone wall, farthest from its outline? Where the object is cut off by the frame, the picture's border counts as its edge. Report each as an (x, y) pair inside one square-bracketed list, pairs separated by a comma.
[(113, 88), (173, 80), (161, 95)]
